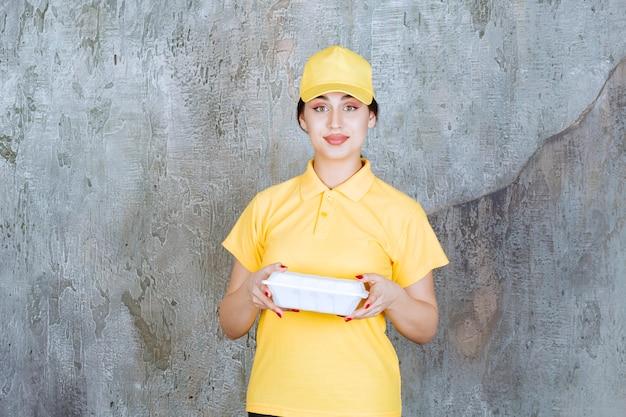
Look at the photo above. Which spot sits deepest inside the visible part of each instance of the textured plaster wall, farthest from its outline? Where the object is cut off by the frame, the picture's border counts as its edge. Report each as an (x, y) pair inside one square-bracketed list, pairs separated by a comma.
[(537, 324), (132, 134)]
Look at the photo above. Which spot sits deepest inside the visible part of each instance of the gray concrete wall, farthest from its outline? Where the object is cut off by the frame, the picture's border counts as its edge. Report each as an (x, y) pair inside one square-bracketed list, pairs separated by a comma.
[(132, 134), (536, 324)]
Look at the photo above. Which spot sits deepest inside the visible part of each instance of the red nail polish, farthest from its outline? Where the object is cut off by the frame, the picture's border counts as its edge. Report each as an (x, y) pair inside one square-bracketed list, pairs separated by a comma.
[(279, 315), (295, 310), (367, 306), (267, 294), (283, 266), (347, 319), (359, 277)]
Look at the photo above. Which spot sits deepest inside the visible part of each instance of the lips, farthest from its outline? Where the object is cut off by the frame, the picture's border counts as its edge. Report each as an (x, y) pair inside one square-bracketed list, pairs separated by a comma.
[(335, 139)]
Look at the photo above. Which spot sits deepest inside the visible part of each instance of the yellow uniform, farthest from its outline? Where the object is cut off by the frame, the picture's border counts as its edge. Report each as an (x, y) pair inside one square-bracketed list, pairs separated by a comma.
[(311, 364)]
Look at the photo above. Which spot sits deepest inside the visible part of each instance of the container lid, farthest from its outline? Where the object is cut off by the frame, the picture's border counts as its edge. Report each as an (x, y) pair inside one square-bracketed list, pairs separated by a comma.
[(315, 283)]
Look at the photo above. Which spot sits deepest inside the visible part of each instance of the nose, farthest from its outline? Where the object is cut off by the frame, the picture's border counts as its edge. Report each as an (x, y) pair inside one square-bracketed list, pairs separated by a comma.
[(335, 119)]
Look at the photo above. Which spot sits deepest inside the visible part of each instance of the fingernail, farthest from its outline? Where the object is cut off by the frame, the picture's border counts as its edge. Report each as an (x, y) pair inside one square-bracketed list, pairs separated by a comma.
[(267, 294), (347, 319), (282, 266), (359, 277), (279, 315), (295, 310), (367, 306)]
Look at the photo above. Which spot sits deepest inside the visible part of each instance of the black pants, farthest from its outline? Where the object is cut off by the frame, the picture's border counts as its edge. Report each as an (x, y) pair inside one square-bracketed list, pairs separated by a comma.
[(259, 415)]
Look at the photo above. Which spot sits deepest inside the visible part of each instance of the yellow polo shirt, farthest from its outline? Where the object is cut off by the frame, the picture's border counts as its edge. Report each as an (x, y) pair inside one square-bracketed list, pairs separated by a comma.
[(311, 364)]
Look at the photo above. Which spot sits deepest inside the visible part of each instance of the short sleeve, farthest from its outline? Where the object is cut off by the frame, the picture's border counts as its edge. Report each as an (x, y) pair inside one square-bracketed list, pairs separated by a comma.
[(243, 241), (418, 251)]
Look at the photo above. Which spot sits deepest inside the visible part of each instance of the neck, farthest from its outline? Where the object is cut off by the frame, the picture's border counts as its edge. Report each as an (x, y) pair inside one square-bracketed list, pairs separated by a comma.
[(335, 172)]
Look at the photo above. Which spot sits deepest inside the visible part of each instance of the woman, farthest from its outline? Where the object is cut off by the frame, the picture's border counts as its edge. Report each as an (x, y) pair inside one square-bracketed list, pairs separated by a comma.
[(338, 220)]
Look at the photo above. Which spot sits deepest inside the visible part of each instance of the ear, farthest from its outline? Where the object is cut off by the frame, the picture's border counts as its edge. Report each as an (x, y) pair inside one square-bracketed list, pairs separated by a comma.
[(372, 121), (302, 124)]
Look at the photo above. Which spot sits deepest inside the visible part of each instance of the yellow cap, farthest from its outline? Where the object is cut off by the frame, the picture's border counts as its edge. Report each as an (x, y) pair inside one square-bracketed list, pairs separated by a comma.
[(337, 69)]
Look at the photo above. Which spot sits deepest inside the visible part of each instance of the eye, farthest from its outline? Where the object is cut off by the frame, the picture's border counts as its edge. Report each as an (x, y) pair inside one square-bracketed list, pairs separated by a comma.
[(350, 107), (320, 108)]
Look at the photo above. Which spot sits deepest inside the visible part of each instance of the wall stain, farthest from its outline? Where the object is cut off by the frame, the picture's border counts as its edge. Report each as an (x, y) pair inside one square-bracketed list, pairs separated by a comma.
[(157, 350), (6, 151), (473, 322), (98, 116), (3, 22), (40, 16), (590, 319), (481, 15), (100, 312)]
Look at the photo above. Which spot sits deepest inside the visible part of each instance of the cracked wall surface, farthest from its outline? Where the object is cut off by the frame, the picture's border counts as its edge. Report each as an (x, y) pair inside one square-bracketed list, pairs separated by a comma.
[(133, 133), (538, 326)]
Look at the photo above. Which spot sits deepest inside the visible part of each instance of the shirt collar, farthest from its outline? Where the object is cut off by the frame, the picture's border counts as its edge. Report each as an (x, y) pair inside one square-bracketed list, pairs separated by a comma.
[(354, 188)]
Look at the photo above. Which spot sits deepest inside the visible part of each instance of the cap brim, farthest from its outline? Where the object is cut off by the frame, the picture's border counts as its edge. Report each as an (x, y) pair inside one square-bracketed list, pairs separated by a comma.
[(360, 94)]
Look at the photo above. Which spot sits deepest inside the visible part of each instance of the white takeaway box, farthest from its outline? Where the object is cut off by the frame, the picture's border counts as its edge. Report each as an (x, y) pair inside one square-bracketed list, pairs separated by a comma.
[(315, 293)]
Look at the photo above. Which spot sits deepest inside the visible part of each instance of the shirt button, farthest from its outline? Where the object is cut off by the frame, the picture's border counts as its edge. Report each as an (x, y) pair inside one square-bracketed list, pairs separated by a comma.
[(324, 214), (330, 197)]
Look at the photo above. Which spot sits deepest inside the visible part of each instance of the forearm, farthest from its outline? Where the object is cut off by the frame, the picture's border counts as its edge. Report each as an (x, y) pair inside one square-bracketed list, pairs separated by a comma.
[(414, 319), (237, 314)]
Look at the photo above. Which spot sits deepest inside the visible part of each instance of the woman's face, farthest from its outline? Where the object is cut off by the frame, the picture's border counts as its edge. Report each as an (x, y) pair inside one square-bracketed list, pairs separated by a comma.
[(337, 125)]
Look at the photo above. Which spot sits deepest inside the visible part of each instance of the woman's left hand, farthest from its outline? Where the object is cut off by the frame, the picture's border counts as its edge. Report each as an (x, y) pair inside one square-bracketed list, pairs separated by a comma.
[(382, 294), (412, 310)]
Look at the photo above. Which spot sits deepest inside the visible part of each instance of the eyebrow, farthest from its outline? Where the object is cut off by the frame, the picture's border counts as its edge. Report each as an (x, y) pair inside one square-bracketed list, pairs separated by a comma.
[(347, 96)]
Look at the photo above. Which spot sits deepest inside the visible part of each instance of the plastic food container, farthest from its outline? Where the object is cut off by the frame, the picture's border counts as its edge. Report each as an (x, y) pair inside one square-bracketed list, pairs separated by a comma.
[(315, 293)]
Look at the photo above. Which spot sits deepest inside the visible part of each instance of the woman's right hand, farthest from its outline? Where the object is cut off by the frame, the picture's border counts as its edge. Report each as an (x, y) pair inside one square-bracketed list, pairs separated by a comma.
[(260, 294), (246, 294)]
